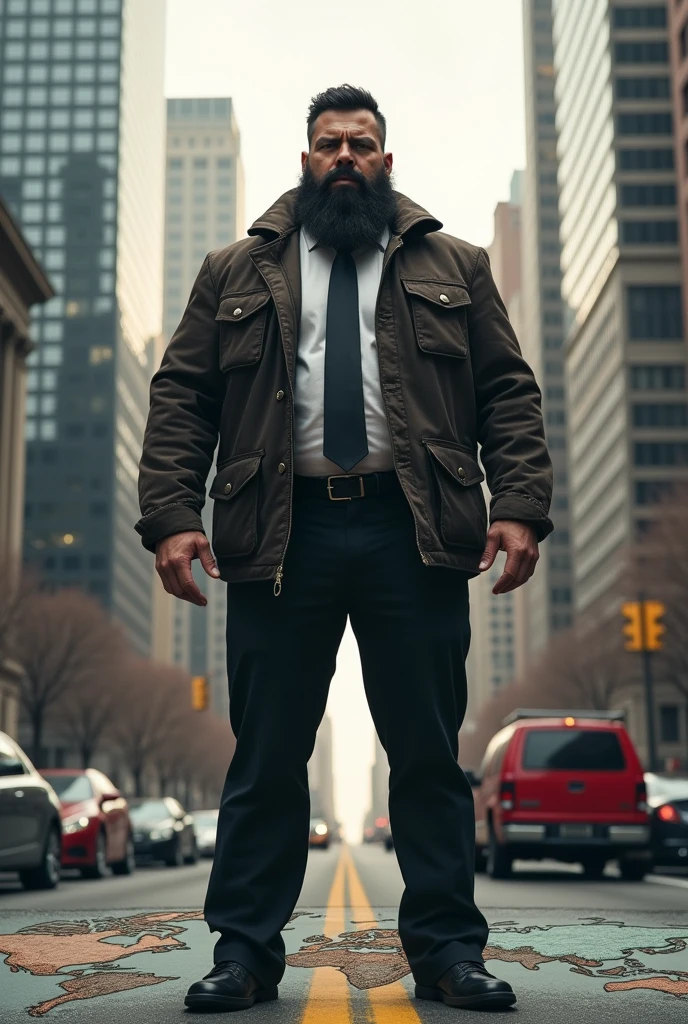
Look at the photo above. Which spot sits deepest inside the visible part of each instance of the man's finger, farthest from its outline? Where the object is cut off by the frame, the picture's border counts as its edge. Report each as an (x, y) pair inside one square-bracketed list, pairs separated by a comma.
[(189, 589), (169, 579), (490, 552), (206, 556)]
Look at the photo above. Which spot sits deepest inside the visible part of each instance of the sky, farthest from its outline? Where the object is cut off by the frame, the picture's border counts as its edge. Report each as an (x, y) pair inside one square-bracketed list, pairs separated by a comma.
[(448, 76)]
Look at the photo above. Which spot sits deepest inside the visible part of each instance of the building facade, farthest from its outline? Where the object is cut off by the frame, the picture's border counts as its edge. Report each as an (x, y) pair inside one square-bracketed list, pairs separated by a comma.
[(621, 283), (546, 601), (204, 210), (82, 167), (321, 774), (678, 49), (23, 284)]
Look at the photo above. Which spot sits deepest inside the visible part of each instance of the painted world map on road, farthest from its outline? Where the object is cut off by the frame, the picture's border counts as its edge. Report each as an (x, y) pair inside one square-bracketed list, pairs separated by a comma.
[(89, 959)]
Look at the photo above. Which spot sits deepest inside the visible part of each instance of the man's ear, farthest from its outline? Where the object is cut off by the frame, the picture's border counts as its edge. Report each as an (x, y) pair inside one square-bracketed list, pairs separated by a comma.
[(389, 160), (304, 161)]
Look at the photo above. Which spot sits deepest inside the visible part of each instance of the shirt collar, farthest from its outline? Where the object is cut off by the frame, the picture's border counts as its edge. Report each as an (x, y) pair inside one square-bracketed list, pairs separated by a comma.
[(312, 243)]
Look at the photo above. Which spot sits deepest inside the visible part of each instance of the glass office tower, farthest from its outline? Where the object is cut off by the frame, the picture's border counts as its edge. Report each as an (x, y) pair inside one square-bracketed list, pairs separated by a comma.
[(82, 142)]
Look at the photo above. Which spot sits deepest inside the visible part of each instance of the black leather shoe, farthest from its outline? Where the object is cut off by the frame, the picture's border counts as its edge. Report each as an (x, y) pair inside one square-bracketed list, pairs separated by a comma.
[(469, 986), (229, 986)]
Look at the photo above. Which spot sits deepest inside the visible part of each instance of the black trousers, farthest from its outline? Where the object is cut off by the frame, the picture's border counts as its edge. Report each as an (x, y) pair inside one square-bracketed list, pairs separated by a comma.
[(359, 559)]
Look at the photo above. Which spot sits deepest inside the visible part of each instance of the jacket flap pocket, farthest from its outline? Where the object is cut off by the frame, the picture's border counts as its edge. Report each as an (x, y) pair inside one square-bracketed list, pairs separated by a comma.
[(238, 307), (234, 474), (442, 293), (458, 463)]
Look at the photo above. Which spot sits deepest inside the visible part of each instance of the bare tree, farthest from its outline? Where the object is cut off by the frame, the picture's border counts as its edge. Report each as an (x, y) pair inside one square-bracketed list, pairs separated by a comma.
[(62, 639)]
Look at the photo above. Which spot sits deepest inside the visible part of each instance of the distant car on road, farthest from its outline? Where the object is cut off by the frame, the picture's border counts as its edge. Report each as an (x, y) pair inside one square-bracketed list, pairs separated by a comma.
[(30, 826), (319, 834), (96, 831), (163, 831), (667, 796), (205, 823), (566, 785)]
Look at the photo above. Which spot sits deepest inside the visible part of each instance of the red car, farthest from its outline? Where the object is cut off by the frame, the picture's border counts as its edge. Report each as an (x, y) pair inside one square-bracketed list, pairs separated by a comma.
[(96, 831), (563, 785)]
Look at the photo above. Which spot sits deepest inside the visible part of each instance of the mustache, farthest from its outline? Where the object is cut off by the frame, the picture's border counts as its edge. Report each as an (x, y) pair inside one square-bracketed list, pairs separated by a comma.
[(343, 174)]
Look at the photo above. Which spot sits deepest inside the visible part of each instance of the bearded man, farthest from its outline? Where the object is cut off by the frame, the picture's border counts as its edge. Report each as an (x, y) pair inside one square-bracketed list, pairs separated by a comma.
[(350, 358)]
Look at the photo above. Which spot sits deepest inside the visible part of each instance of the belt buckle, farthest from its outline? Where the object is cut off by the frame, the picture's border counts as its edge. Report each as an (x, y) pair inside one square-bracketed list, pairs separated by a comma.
[(345, 476)]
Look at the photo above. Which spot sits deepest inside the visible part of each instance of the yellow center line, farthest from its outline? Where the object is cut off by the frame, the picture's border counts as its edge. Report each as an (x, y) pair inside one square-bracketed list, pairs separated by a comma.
[(390, 1003), (329, 996)]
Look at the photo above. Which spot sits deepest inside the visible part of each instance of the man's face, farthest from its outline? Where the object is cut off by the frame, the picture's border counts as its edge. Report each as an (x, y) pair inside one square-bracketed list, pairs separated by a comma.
[(346, 140)]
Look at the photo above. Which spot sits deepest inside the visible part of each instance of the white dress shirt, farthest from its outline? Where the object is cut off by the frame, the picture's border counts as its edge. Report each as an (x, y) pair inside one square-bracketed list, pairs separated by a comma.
[(309, 396)]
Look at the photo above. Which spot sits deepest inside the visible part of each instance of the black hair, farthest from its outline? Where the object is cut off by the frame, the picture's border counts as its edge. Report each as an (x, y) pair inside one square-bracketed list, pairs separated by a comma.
[(345, 97)]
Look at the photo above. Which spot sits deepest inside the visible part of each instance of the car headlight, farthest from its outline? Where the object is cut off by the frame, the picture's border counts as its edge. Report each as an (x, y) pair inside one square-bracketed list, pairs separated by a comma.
[(70, 825), (321, 830), (162, 833)]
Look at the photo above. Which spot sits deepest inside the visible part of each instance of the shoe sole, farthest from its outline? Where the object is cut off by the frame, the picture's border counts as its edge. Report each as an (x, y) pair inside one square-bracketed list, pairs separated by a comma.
[(492, 1001), (226, 1004)]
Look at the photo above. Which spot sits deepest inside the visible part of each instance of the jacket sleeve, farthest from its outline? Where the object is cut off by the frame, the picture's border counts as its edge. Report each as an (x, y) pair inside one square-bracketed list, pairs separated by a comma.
[(510, 426), (186, 397)]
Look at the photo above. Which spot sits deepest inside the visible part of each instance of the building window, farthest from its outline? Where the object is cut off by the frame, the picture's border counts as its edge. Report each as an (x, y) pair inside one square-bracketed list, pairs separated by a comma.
[(671, 377), (650, 492), (668, 723), (646, 159), (648, 232), (661, 453), (645, 123), (655, 312), (642, 53), (643, 88), (648, 195), (640, 17), (667, 414)]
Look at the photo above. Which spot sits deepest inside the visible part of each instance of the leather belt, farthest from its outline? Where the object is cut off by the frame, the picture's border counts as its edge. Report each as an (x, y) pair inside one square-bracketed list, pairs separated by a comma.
[(348, 486)]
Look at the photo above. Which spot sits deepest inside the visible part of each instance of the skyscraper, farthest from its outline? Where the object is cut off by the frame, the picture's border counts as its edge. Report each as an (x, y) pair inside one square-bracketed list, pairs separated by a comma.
[(204, 210), (546, 601), (82, 168), (678, 27), (625, 356), (321, 774)]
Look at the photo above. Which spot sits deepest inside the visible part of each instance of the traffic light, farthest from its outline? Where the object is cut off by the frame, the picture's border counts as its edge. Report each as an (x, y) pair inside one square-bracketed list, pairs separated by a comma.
[(654, 630), (633, 629), (200, 693)]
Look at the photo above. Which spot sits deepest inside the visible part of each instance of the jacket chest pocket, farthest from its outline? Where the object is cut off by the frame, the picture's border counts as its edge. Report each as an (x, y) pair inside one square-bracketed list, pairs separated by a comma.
[(463, 515), (242, 320), (440, 316), (236, 493)]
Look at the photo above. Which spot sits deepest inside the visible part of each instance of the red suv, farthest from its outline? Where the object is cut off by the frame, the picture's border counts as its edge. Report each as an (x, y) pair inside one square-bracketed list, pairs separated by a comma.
[(563, 785)]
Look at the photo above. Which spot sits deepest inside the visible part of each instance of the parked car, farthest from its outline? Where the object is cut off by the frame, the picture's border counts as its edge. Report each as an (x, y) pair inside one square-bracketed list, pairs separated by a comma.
[(319, 834), (565, 785), (163, 831), (205, 823), (96, 830), (31, 830), (667, 796)]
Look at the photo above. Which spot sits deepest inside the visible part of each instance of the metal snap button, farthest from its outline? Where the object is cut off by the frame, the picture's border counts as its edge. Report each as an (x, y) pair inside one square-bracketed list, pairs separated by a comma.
[(461, 473), (238, 311), (281, 468), (228, 488), (443, 297), (279, 396)]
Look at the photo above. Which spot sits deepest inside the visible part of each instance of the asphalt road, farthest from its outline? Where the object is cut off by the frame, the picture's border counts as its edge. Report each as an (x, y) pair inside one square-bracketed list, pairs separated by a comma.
[(125, 949)]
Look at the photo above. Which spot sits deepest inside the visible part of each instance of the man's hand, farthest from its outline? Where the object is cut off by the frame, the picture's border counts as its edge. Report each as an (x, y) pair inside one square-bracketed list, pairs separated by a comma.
[(173, 558), (520, 543)]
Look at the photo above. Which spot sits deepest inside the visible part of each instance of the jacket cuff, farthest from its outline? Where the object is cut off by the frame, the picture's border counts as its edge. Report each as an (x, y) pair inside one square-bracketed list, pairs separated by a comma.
[(524, 509), (166, 520)]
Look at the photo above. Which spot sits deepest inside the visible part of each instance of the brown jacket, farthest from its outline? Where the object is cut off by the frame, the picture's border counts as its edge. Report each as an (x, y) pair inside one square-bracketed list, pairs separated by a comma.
[(452, 378)]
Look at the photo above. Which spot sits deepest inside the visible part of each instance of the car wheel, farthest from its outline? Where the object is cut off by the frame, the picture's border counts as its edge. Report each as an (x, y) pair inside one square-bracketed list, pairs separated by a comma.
[(127, 866), (47, 874), (593, 867), (498, 858), (633, 870), (176, 858), (99, 868), (194, 856)]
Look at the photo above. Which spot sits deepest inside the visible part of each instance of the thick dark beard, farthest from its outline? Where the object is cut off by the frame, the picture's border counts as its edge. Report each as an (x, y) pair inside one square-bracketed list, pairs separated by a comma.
[(346, 216)]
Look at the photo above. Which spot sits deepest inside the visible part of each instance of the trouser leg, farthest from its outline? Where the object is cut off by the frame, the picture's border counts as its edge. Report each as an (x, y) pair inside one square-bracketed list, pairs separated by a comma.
[(281, 659), (412, 627)]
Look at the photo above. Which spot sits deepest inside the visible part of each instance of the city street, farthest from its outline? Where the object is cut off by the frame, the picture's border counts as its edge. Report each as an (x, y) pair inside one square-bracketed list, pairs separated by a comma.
[(573, 949)]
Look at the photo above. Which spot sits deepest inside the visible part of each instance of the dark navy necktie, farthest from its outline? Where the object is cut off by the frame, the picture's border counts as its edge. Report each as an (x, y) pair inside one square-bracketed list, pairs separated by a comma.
[(345, 441)]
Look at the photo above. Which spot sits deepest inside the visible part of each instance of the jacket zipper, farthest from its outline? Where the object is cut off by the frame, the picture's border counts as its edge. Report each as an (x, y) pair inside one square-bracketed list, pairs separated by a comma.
[(424, 558)]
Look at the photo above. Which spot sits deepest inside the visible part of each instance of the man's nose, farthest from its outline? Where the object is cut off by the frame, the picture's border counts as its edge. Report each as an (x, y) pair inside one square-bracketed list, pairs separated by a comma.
[(345, 157)]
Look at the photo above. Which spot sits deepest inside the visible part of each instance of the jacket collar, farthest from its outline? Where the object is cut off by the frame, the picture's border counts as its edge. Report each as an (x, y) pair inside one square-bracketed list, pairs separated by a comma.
[(279, 219)]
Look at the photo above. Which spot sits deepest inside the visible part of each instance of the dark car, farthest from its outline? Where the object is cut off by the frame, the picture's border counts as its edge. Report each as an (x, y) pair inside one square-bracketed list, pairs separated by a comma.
[(163, 831), (205, 824), (667, 797), (30, 826), (96, 831)]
